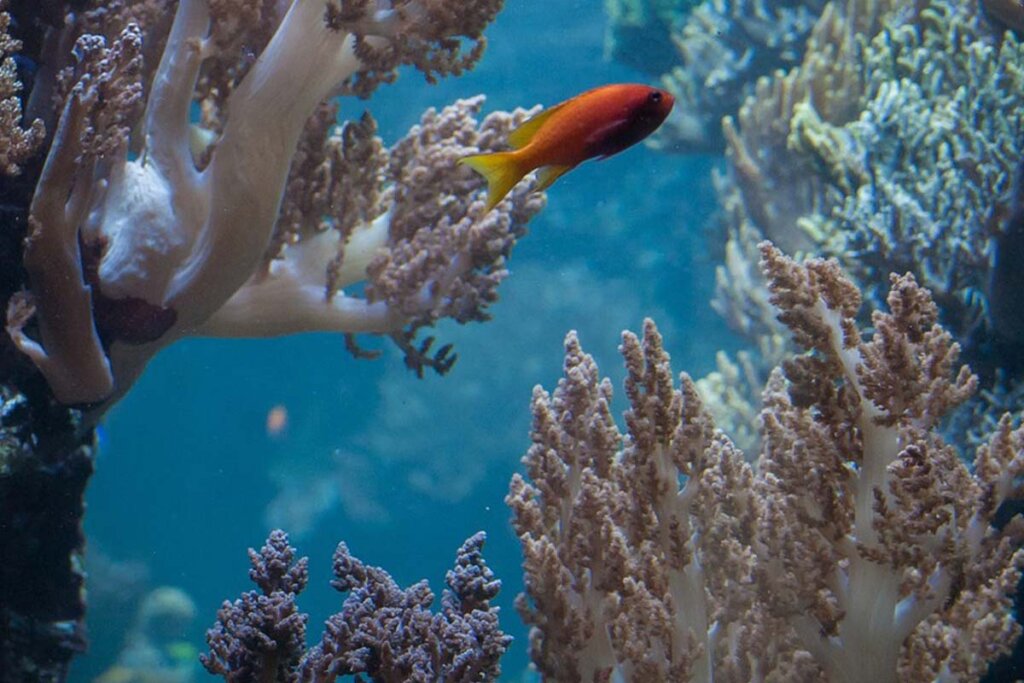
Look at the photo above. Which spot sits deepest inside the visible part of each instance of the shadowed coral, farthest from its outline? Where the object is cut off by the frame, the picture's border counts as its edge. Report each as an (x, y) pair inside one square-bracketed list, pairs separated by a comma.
[(384, 632), (17, 144), (146, 227), (1009, 12), (640, 32), (859, 548)]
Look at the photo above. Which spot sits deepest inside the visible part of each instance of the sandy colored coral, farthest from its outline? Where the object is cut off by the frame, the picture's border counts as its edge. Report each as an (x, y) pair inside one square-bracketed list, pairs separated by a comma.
[(462, 258), (437, 37), (620, 529)]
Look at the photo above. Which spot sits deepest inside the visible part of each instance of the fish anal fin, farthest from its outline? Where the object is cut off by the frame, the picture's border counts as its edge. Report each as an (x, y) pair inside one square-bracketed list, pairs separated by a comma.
[(522, 135), (550, 174)]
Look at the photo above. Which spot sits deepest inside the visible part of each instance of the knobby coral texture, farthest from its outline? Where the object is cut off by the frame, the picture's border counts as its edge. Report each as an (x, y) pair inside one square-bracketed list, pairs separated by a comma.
[(383, 632), (893, 146), (858, 547), (198, 183)]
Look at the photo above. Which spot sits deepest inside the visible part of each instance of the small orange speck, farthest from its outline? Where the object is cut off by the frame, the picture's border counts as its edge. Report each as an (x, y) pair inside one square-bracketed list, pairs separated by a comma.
[(277, 421)]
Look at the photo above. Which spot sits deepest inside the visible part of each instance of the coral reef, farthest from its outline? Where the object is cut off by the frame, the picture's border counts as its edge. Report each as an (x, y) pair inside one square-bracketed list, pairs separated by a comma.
[(383, 632), (146, 227), (174, 168), (906, 164), (710, 54), (858, 547), (920, 180), (894, 146)]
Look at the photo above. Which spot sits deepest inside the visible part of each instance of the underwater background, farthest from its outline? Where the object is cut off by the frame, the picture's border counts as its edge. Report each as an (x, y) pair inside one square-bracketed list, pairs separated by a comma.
[(828, 230), (403, 469)]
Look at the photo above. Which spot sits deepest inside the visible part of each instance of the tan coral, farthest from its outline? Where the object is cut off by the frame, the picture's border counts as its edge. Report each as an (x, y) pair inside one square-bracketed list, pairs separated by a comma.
[(17, 144)]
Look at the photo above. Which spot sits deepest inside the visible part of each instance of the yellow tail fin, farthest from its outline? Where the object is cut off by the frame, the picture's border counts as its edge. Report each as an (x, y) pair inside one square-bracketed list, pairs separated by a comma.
[(502, 171)]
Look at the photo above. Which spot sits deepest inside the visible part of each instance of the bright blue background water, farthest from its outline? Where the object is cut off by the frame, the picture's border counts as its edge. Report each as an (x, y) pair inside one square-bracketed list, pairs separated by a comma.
[(405, 468)]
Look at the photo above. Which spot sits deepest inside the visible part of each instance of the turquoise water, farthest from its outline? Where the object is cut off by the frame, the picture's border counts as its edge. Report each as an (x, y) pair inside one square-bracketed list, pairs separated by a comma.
[(401, 469)]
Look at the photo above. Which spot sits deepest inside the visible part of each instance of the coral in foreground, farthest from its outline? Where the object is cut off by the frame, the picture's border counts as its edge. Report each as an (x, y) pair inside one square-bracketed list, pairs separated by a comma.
[(180, 169), (860, 547), (383, 632), (147, 226)]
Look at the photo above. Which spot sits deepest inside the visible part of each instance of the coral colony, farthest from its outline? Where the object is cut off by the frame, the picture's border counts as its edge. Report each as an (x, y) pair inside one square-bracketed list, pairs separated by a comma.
[(387, 633), (146, 227), (859, 547), (196, 182)]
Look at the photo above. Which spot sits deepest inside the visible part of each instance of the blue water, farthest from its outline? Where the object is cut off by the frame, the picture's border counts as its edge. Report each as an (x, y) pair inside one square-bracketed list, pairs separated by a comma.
[(187, 470)]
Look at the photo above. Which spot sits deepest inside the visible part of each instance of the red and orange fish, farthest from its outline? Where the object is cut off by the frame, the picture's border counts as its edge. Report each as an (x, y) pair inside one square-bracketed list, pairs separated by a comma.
[(598, 123)]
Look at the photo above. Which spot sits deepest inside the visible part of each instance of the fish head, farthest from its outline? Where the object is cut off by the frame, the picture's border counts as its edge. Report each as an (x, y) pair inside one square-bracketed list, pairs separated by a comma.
[(661, 102), (651, 106)]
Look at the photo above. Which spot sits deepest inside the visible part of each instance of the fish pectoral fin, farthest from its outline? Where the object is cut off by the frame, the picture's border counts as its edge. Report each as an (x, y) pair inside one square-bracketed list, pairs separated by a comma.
[(522, 135), (550, 174), (605, 131)]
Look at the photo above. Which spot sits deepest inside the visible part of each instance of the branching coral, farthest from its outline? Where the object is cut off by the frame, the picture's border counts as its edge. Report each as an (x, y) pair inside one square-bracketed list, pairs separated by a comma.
[(909, 167), (384, 632), (721, 49), (146, 228), (920, 181), (638, 546), (17, 144), (860, 548), (893, 147)]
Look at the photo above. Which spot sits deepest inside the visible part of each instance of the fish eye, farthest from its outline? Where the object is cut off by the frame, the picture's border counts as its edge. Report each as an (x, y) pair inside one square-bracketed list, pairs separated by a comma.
[(654, 97)]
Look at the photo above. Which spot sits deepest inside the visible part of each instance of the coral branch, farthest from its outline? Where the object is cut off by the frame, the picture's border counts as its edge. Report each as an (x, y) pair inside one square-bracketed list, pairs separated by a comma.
[(255, 218), (382, 631)]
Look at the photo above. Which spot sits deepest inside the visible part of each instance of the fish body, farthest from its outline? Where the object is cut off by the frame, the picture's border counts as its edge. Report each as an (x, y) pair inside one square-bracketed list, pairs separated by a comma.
[(597, 123)]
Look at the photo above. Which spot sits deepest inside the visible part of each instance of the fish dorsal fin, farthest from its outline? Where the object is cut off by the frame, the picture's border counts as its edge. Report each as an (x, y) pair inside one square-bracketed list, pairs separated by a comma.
[(522, 135)]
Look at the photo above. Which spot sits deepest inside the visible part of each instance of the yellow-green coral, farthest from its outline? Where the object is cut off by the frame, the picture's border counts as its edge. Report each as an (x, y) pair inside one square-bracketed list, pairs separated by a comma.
[(915, 182)]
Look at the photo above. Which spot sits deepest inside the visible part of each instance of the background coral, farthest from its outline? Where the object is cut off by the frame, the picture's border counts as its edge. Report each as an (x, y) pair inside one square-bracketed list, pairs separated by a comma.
[(709, 55)]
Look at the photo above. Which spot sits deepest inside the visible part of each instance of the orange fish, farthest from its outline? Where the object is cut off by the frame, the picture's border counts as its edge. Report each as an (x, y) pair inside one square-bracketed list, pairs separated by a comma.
[(598, 123)]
